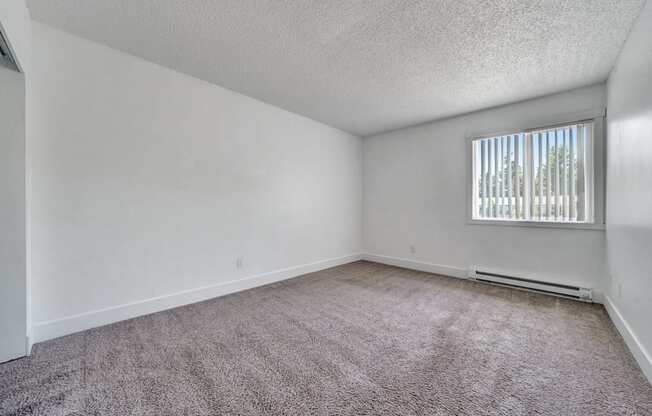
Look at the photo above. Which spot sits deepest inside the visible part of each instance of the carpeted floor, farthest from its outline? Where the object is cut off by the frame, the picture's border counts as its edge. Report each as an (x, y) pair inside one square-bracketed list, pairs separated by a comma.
[(359, 339)]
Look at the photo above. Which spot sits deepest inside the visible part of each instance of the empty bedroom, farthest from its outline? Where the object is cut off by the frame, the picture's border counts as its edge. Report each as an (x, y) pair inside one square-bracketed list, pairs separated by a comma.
[(337, 207)]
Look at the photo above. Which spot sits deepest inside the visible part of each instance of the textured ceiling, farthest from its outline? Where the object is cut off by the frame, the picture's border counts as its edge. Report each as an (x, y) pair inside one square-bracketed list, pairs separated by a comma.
[(365, 66)]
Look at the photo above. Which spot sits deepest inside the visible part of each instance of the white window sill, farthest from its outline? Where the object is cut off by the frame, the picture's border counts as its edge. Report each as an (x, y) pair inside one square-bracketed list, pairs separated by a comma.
[(539, 224)]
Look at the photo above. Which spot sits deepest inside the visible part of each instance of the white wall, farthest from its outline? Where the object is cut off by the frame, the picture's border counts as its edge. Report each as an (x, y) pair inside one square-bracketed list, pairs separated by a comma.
[(147, 182), (13, 282), (415, 194), (629, 184), (14, 23)]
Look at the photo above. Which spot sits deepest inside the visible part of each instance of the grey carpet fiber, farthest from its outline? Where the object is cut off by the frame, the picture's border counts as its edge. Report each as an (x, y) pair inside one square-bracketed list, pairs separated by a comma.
[(359, 339)]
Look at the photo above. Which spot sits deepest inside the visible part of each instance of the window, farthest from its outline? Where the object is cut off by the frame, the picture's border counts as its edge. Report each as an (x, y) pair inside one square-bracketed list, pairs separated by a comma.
[(537, 176)]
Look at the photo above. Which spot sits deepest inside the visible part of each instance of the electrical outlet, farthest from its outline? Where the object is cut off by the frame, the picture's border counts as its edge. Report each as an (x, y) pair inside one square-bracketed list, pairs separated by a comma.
[(413, 250), (238, 263)]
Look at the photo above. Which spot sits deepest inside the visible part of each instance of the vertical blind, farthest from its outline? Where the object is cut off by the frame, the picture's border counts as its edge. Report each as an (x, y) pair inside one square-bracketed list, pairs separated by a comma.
[(543, 175)]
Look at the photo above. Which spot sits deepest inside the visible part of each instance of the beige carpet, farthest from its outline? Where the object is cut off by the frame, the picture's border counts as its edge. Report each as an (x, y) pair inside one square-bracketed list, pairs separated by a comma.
[(360, 339)]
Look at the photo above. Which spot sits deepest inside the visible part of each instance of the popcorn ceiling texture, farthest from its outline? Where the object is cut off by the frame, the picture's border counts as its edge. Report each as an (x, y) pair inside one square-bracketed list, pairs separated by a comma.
[(359, 339), (365, 66)]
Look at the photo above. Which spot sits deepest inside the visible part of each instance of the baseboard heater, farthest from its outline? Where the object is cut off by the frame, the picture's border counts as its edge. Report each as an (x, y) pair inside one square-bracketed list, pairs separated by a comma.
[(555, 289)]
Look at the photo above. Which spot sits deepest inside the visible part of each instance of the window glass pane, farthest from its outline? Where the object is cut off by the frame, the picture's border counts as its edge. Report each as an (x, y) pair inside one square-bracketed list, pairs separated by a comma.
[(543, 175)]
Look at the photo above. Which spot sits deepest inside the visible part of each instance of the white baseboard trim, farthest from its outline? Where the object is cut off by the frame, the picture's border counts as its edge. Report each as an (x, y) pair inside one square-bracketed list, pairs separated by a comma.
[(442, 269), (28, 345), (642, 356), (43, 331)]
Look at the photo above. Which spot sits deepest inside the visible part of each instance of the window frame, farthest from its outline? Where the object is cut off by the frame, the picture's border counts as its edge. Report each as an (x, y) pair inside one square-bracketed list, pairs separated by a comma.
[(598, 116)]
